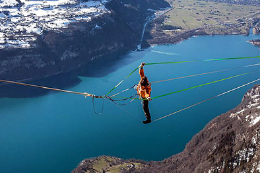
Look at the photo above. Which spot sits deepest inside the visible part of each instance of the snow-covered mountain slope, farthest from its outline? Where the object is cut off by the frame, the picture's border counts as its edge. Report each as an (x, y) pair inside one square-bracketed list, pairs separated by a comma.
[(21, 21), (44, 38)]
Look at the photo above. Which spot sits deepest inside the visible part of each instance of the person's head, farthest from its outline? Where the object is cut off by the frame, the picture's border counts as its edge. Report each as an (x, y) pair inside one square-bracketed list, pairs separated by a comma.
[(144, 81)]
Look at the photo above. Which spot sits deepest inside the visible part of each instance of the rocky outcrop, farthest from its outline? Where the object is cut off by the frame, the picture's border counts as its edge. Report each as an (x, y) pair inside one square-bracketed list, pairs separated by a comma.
[(229, 143), (255, 42), (256, 29), (108, 164), (66, 49)]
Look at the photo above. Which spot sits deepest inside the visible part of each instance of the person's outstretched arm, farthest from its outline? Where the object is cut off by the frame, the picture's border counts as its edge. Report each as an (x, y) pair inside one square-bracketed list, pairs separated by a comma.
[(141, 70)]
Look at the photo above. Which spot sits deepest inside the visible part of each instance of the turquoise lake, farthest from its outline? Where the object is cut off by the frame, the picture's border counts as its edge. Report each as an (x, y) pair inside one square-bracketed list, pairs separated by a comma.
[(54, 132)]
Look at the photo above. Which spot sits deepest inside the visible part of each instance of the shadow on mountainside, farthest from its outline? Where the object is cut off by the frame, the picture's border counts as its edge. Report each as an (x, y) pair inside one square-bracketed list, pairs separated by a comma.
[(97, 68)]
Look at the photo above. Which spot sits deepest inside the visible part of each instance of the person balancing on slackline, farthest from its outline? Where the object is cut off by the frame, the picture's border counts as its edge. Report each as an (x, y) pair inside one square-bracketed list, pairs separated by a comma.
[(144, 91)]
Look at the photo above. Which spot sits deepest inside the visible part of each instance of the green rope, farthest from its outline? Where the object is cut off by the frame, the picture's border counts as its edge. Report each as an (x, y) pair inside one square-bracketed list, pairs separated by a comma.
[(122, 80), (197, 86), (205, 60), (176, 62), (200, 74), (198, 103)]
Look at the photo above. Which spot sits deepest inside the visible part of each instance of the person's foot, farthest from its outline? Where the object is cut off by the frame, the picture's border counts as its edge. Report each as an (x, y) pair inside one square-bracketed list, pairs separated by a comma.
[(147, 121)]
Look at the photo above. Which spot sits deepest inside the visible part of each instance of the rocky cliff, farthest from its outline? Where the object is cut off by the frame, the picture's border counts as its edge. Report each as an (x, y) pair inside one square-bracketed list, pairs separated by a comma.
[(255, 42), (229, 143), (51, 44)]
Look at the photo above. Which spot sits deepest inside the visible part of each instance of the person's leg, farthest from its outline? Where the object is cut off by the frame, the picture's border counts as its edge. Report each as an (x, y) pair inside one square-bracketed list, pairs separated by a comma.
[(146, 111)]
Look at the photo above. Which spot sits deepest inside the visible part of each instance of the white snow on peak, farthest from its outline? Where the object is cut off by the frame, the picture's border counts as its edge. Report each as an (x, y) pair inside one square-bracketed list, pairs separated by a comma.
[(253, 105), (258, 167), (255, 120), (9, 3), (232, 115), (91, 3), (33, 17)]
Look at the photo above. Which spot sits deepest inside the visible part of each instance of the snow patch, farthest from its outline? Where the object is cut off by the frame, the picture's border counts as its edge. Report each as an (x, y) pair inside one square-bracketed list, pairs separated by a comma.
[(255, 120), (255, 96), (258, 167), (252, 105), (35, 16), (232, 115), (9, 3)]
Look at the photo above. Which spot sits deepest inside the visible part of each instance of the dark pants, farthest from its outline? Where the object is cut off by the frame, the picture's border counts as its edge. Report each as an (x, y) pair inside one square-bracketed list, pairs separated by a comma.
[(146, 109)]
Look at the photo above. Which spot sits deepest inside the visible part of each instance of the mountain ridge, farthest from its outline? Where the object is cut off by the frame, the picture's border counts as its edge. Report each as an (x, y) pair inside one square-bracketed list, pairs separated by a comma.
[(90, 30)]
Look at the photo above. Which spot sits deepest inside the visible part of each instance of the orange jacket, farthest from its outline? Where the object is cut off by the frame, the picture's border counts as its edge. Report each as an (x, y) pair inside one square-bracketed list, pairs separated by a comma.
[(143, 91)]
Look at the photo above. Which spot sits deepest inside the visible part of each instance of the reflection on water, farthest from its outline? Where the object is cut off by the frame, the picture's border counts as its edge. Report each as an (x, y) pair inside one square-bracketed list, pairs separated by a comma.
[(97, 68)]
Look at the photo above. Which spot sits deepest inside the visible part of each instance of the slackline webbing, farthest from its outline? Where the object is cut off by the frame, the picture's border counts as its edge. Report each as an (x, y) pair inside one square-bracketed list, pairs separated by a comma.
[(91, 95), (197, 86), (189, 76), (205, 60), (175, 62), (241, 86), (193, 87), (122, 80), (200, 74), (54, 89)]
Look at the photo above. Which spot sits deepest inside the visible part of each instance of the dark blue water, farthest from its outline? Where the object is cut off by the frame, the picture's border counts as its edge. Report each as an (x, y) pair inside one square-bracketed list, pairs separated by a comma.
[(54, 132)]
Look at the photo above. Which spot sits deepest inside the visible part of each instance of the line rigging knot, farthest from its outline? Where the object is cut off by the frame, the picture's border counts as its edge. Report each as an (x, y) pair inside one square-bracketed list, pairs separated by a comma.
[(87, 95), (91, 95), (100, 97), (107, 97)]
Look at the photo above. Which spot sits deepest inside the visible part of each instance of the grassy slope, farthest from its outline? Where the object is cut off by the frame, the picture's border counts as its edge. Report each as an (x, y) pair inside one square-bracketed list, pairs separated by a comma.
[(112, 165), (191, 14)]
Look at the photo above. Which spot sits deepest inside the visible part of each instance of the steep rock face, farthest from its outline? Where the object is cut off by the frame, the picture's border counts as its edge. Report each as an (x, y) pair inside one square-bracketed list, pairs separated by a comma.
[(229, 143), (256, 29), (64, 50)]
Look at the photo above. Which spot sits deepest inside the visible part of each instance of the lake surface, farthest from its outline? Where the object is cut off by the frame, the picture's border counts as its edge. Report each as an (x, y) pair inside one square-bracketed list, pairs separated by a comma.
[(54, 132)]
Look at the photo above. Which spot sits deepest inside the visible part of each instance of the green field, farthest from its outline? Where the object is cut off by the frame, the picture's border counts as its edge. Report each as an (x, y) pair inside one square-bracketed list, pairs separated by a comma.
[(111, 165), (191, 14)]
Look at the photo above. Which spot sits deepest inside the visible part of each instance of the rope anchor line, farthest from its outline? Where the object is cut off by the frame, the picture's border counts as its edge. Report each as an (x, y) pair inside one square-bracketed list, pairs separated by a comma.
[(53, 89), (134, 97), (193, 87)]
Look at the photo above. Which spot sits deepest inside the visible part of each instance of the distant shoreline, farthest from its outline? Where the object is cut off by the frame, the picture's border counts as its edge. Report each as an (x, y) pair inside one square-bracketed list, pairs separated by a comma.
[(187, 19)]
